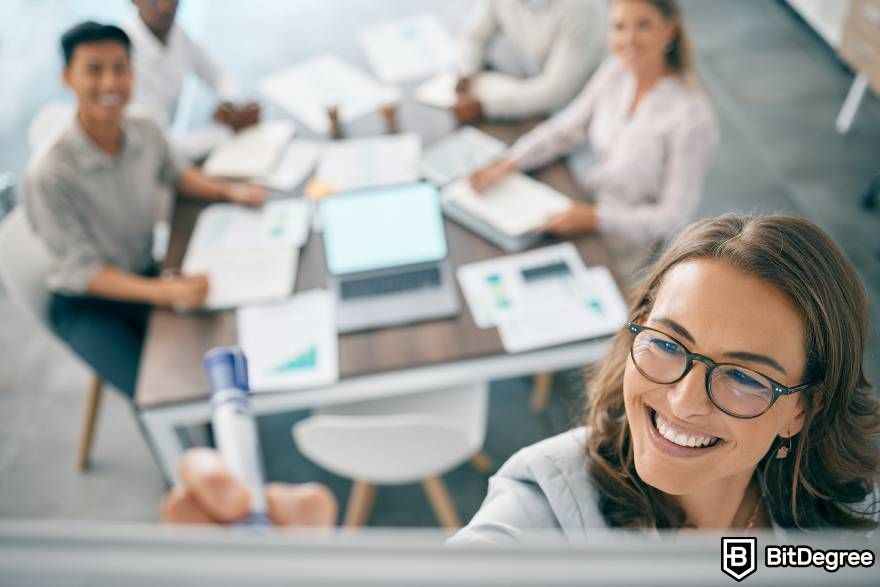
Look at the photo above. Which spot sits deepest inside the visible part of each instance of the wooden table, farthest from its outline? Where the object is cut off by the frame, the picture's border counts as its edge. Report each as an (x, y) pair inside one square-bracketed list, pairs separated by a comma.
[(173, 390)]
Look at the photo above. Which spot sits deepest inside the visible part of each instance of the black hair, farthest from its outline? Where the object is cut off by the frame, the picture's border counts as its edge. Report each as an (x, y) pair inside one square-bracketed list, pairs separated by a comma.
[(92, 32)]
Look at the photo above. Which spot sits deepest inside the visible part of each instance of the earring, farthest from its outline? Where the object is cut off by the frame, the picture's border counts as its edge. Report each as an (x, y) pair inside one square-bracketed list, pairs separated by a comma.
[(782, 451)]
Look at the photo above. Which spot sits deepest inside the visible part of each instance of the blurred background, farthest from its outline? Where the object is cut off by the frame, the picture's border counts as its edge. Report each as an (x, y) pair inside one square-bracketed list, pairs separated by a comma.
[(777, 82)]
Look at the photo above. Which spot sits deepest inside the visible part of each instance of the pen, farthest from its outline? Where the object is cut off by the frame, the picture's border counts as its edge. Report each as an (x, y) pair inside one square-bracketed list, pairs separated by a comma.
[(235, 430)]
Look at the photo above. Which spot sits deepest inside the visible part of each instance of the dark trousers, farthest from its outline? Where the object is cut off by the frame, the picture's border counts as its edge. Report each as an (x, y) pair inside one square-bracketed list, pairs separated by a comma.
[(106, 334)]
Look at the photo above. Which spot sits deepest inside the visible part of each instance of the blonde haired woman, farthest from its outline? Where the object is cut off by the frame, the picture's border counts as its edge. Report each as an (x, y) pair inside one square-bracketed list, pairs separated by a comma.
[(650, 130)]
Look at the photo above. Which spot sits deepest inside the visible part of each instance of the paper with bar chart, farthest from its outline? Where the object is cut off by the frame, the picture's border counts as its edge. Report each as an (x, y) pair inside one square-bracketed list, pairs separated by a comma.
[(291, 344)]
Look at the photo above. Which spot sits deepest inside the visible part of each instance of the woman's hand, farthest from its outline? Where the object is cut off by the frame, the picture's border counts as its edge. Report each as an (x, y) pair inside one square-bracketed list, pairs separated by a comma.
[(578, 219), (182, 292), (485, 177), (210, 494), (243, 193)]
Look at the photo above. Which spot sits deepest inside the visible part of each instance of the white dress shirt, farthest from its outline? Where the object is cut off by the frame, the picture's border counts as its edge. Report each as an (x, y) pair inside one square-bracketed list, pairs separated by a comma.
[(558, 42), (649, 166), (160, 70)]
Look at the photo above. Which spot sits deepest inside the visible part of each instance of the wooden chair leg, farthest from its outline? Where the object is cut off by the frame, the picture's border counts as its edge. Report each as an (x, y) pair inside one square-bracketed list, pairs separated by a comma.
[(441, 503), (360, 504), (481, 462), (93, 402), (541, 386)]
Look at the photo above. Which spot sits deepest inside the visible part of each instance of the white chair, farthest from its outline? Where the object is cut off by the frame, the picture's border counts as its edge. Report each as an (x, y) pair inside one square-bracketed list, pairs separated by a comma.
[(398, 440), (24, 265)]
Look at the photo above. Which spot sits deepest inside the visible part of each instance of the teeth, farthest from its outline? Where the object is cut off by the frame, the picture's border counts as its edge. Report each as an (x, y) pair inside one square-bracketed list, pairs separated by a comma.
[(109, 100), (681, 438)]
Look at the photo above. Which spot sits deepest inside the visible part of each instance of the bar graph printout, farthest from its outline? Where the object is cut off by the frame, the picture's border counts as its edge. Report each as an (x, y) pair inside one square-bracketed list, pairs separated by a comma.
[(291, 344)]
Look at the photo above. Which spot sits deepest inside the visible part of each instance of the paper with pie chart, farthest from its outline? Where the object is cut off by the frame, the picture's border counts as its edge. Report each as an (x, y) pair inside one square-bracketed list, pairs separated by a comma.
[(291, 344)]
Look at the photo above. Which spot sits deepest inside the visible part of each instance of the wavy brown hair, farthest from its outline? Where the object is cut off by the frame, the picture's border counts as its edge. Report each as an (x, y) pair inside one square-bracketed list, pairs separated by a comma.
[(830, 475)]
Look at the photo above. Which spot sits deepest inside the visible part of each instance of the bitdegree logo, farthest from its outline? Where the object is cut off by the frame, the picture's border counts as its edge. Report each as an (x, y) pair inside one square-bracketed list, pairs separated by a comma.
[(789, 555)]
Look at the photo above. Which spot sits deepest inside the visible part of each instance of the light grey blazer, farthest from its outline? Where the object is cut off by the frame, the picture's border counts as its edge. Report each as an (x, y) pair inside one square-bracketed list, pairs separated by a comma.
[(546, 486), (543, 486)]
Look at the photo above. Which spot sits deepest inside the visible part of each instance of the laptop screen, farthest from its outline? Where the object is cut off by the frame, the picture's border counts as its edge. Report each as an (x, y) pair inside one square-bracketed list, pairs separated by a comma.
[(382, 227)]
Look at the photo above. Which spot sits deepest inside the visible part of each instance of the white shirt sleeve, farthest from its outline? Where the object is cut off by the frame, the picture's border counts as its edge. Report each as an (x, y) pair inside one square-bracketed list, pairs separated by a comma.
[(207, 69), (575, 52), (691, 149), (477, 34)]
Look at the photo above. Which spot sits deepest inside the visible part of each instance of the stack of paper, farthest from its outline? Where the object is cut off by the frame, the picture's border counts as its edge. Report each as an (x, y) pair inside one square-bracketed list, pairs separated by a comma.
[(542, 298), (460, 154), (308, 89), (253, 152), (361, 163), (516, 205), (248, 254), (409, 48), (292, 344)]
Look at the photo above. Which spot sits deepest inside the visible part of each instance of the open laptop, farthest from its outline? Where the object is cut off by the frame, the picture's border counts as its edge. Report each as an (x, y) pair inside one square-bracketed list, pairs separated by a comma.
[(386, 254)]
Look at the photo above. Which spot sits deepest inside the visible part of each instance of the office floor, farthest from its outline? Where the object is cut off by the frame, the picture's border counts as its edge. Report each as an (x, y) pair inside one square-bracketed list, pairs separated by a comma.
[(777, 90)]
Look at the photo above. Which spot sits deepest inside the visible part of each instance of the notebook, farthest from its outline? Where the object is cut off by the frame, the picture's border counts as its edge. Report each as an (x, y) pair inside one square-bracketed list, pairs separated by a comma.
[(253, 152), (508, 213)]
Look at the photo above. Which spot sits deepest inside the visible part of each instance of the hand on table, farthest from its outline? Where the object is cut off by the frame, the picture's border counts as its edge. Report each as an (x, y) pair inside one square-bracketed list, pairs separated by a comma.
[(237, 116), (244, 193), (183, 292), (578, 219), (210, 494), (467, 109), (485, 177)]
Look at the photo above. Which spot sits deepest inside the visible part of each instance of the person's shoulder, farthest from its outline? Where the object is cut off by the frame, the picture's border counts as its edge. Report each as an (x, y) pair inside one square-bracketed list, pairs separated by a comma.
[(53, 162), (563, 455)]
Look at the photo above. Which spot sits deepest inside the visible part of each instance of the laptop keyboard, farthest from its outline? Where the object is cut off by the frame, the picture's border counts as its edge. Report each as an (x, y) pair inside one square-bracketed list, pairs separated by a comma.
[(387, 284)]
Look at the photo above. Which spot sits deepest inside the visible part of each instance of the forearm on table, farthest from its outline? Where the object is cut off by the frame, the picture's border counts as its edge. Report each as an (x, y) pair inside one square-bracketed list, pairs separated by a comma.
[(116, 284), (196, 184)]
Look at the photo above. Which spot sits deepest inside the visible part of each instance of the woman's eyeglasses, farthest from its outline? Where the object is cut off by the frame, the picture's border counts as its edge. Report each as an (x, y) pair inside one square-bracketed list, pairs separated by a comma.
[(735, 390)]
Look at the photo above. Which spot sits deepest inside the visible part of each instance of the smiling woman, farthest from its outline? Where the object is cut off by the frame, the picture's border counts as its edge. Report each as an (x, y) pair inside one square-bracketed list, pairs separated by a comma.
[(734, 398), (783, 317)]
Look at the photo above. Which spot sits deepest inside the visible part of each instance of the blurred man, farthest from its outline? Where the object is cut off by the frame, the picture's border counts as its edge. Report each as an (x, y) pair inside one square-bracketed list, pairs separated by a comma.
[(164, 55), (91, 195)]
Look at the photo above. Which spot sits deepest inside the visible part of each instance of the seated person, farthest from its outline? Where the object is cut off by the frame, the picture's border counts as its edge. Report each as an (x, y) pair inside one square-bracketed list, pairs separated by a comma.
[(91, 196), (163, 56), (651, 130), (544, 52), (735, 398)]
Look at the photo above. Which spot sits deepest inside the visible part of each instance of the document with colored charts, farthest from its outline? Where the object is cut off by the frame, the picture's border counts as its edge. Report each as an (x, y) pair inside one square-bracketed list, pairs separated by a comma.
[(409, 48), (291, 344), (249, 254), (542, 298), (353, 164)]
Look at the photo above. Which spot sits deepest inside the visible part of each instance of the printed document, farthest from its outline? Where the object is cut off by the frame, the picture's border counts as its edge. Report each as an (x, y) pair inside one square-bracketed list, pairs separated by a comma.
[(542, 298), (409, 48), (291, 344), (253, 152), (309, 88), (371, 162), (249, 254)]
